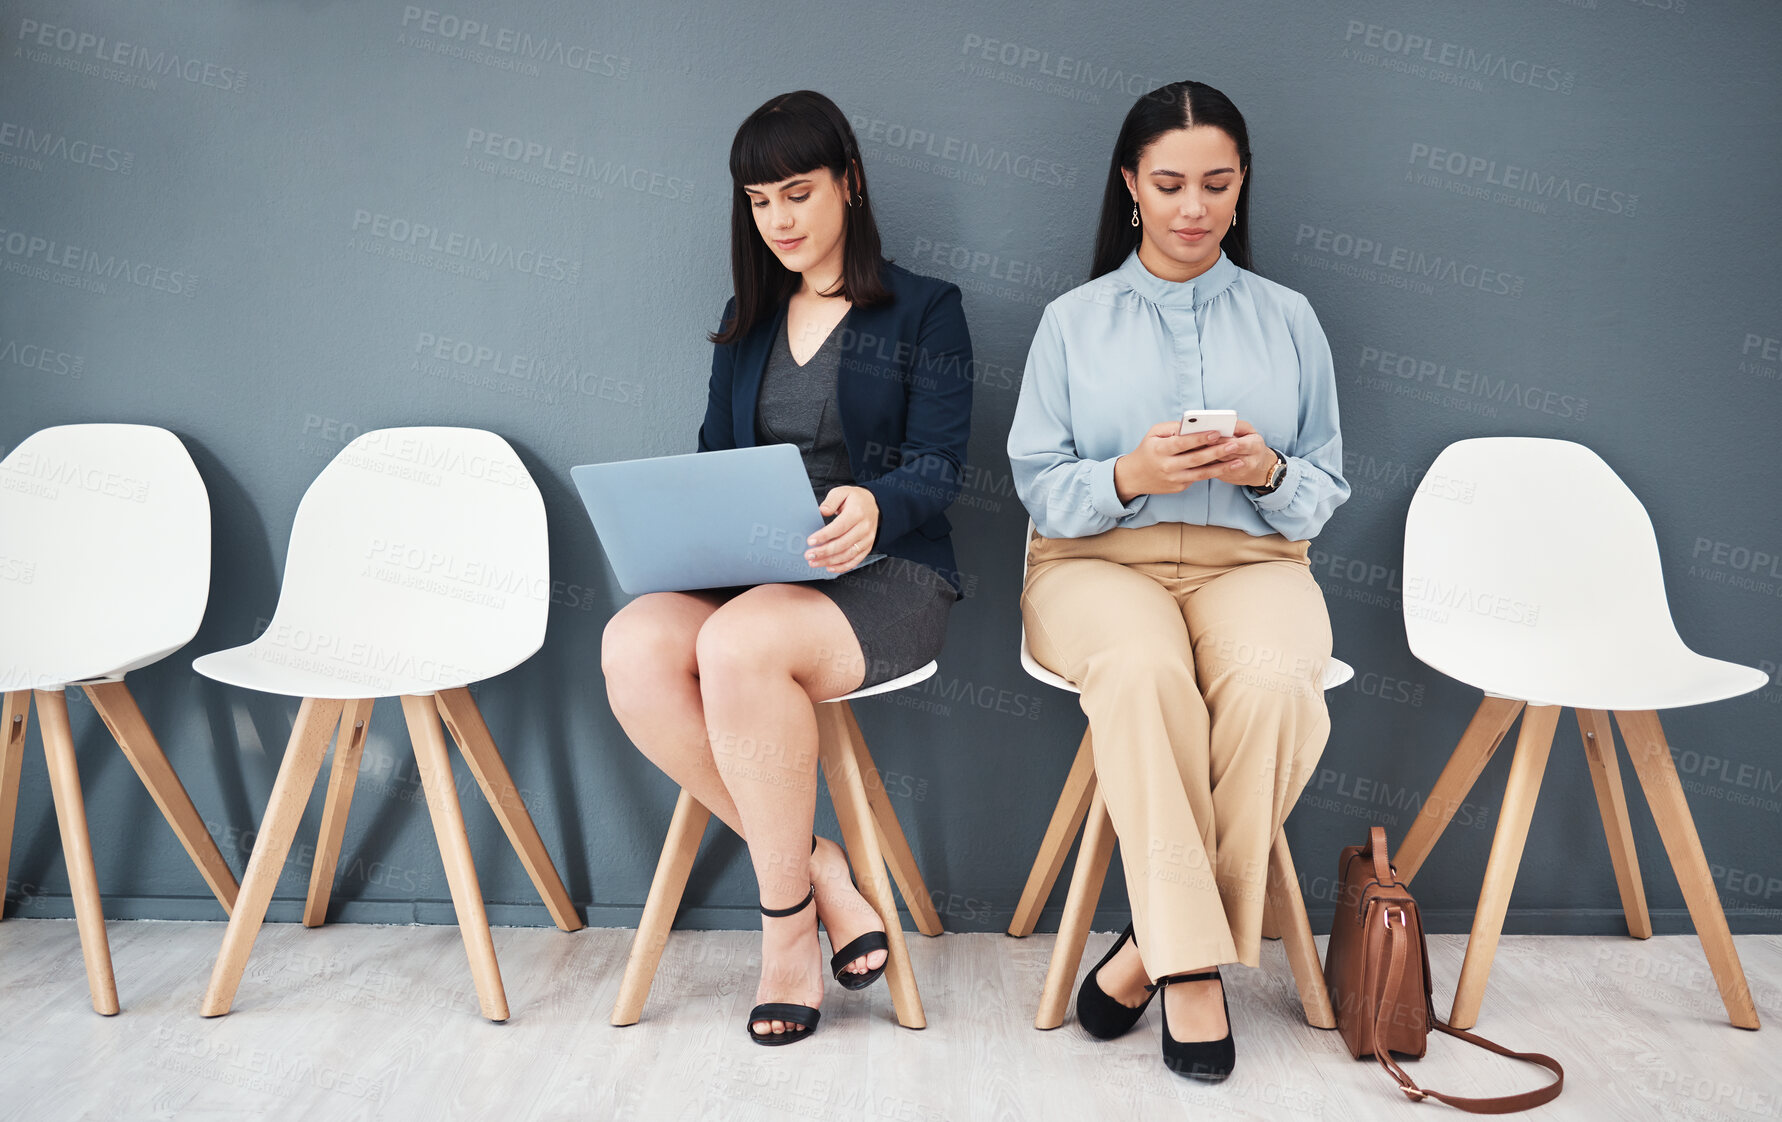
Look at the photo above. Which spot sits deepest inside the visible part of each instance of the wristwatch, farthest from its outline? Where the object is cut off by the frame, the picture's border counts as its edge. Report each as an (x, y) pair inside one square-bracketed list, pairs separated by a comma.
[(1275, 475)]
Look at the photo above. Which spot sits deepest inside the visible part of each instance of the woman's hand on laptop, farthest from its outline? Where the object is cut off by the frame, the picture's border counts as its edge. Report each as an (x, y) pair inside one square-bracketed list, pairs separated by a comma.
[(848, 538)]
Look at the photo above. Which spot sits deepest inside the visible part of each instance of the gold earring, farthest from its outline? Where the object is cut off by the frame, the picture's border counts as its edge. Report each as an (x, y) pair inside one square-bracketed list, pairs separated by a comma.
[(1234, 220), (1135, 221)]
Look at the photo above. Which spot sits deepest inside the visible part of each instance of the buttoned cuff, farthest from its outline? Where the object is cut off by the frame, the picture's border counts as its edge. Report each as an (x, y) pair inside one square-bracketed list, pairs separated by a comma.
[(1281, 496), (1105, 496)]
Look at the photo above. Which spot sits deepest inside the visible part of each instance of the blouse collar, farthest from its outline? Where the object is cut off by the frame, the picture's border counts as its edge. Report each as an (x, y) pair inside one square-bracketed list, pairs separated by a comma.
[(1177, 294)]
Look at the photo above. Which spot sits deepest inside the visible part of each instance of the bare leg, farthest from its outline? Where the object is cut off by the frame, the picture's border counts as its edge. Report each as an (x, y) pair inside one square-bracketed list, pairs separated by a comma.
[(649, 659), (845, 913), (763, 659), (652, 683)]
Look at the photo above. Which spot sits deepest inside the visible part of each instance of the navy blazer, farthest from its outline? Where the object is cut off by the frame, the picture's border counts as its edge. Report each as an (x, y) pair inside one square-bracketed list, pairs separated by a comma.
[(903, 389)]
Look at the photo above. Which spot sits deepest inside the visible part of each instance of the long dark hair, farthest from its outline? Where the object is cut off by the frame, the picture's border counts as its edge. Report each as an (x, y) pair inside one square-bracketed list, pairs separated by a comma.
[(791, 135), (1166, 108)]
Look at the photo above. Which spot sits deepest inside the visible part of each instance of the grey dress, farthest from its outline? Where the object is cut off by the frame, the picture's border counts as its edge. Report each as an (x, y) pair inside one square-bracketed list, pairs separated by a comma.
[(897, 608)]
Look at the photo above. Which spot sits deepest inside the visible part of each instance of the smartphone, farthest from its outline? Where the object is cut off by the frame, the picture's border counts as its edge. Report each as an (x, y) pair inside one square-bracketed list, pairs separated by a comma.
[(1221, 421)]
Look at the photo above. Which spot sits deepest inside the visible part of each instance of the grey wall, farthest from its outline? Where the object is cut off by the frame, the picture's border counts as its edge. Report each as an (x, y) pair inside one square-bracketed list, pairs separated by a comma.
[(1601, 173)]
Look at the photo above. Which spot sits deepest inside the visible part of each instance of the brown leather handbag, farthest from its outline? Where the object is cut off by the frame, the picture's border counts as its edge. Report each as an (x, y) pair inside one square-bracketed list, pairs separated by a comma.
[(1377, 971)]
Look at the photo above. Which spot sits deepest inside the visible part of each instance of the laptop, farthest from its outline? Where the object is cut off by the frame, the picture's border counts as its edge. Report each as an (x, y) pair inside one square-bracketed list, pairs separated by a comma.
[(705, 519)]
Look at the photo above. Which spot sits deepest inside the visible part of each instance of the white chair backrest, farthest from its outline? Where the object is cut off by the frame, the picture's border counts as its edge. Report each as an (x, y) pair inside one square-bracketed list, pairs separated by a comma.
[(417, 553), (1525, 554), (104, 553)]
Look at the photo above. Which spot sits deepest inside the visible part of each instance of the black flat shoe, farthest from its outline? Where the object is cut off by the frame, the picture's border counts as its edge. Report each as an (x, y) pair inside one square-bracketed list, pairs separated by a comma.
[(1100, 1015), (802, 1015), (1209, 1061), (859, 948)]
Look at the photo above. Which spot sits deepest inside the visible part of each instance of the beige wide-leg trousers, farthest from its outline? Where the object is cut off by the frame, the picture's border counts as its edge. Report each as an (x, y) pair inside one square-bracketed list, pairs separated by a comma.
[(1200, 653)]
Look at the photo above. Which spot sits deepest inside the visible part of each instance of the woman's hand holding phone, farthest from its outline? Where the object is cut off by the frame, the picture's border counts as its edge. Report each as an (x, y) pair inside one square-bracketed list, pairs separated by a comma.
[(1167, 461)]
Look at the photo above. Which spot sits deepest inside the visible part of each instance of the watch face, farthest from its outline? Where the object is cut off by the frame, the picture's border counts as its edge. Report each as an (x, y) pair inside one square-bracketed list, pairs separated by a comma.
[(1276, 474)]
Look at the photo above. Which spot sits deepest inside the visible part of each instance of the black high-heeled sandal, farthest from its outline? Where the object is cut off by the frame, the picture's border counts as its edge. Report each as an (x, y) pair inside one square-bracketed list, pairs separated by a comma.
[(858, 948), (802, 1015), (1209, 1061), (1100, 1015)]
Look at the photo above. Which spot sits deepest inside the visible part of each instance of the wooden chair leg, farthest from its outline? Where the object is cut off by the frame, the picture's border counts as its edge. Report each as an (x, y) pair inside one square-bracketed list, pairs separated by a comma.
[(1611, 802), (1079, 909), (1289, 909), (316, 719), (15, 715), (1491, 721), (349, 747), (892, 843), (1651, 757), (435, 768), (685, 830), (1520, 792), (853, 810), (117, 708), (1061, 831), (466, 723), (77, 849)]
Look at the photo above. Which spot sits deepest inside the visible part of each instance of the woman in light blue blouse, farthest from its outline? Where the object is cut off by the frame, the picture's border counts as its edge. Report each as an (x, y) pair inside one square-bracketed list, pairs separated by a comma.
[(1168, 576)]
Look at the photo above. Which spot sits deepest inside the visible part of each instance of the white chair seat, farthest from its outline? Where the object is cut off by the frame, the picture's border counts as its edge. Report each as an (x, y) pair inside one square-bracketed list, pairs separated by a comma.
[(1616, 679), (920, 674), (1035, 670), (269, 667)]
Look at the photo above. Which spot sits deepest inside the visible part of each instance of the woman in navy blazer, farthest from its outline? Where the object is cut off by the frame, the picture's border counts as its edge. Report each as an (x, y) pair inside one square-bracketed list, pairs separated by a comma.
[(905, 405), (865, 367)]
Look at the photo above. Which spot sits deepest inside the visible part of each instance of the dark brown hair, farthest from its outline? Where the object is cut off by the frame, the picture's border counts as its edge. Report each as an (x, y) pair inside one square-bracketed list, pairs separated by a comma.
[(791, 135), (1178, 105)]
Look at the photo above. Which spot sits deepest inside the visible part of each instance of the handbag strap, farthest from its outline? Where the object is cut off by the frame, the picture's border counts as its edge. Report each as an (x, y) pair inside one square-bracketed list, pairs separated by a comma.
[(1376, 844), (1399, 942)]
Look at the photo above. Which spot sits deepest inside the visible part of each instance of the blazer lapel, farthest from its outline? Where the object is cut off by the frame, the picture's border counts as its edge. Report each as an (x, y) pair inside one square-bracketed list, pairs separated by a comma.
[(751, 363), (859, 332)]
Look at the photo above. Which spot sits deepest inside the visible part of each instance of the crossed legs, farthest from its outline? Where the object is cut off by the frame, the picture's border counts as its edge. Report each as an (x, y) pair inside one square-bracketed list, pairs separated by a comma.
[(718, 693), (1202, 687)]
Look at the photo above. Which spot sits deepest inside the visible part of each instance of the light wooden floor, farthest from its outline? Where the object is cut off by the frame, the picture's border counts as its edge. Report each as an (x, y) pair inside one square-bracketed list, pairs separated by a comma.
[(363, 1022)]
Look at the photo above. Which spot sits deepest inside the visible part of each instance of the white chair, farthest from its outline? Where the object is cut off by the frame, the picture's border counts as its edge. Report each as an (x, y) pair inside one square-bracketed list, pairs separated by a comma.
[(1081, 808), (418, 565), (870, 834), (104, 569), (1531, 573)]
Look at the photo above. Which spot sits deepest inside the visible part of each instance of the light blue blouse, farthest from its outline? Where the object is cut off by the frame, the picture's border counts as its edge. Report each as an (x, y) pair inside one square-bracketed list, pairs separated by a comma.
[(1130, 350)]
